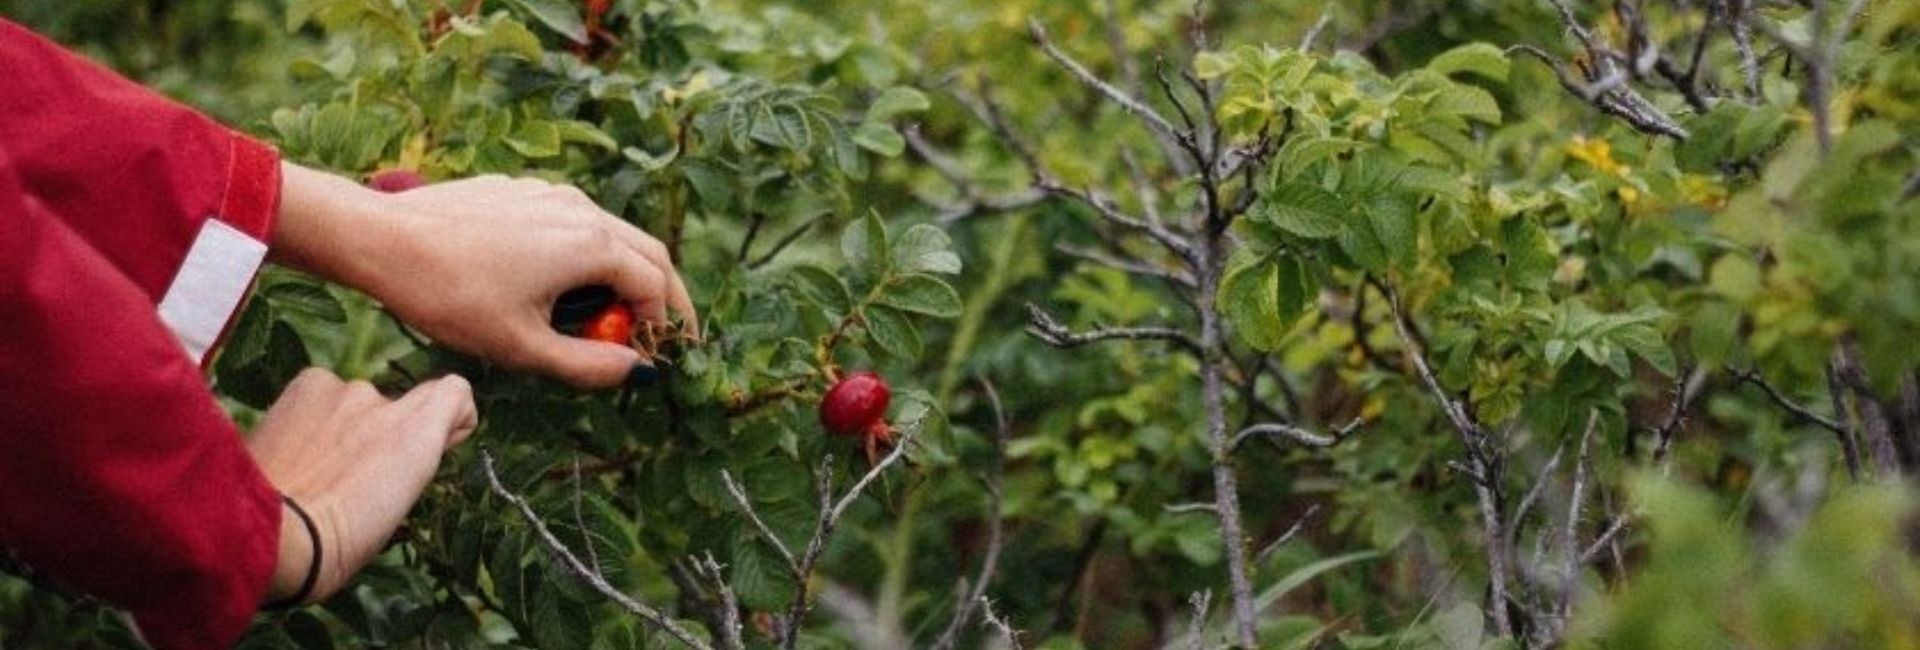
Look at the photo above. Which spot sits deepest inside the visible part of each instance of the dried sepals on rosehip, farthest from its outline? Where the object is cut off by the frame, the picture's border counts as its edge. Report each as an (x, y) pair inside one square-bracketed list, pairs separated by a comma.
[(857, 406)]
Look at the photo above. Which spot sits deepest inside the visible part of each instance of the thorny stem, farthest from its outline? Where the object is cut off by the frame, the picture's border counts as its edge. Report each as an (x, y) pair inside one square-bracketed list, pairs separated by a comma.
[(578, 568), (1483, 462), (963, 611)]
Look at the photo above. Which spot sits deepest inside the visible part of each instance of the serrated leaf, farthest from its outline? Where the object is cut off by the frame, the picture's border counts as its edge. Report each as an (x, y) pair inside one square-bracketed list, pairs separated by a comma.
[(1304, 210), (559, 16), (1483, 59), (893, 332), (308, 299), (1301, 153), (1251, 296), (822, 286), (557, 620), (864, 244), (1646, 342), (535, 139), (648, 162), (897, 101), (584, 133), (925, 248), (1468, 102), (1391, 218), (922, 294), (880, 139), (759, 577)]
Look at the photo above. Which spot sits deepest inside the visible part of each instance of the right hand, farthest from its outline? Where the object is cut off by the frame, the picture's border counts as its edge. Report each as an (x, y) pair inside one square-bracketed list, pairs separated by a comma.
[(356, 462), (477, 263)]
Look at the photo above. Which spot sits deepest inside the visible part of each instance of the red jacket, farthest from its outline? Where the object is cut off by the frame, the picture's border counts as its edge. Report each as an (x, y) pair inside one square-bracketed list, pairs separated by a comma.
[(130, 229)]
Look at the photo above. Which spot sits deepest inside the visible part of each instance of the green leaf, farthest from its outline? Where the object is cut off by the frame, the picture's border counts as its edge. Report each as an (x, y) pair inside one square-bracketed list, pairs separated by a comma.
[(893, 332), (897, 101), (1261, 297), (864, 244), (559, 16), (584, 133), (559, 621), (759, 577), (1468, 102), (535, 139), (1483, 59), (1391, 218), (649, 162), (1646, 342), (925, 248), (309, 299), (922, 294), (822, 286), (880, 139), (1303, 209)]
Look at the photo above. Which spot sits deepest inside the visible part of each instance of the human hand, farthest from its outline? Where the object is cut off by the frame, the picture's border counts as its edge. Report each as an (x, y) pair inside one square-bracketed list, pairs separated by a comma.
[(356, 462), (477, 263)]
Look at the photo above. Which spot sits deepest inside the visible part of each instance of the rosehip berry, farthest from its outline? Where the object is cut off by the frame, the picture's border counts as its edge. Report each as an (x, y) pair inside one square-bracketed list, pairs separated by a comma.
[(612, 325), (856, 405), (396, 180)]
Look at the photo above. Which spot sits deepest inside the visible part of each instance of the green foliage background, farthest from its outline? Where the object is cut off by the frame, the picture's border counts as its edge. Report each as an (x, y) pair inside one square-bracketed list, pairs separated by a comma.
[(1565, 271)]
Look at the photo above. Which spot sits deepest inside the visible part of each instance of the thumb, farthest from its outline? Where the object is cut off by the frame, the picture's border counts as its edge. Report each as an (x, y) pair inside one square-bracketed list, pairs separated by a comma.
[(583, 362), (443, 407)]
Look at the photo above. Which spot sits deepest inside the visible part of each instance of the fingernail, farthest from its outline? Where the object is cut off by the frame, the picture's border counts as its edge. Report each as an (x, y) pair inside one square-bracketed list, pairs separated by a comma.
[(642, 375)]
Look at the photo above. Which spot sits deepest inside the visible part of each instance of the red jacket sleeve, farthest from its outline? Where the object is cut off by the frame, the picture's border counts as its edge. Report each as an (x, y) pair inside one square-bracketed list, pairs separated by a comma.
[(180, 205), (130, 229), (120, 476)]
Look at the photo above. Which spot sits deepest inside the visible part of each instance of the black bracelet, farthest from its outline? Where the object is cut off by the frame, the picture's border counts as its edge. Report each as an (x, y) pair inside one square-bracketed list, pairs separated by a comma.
[(313, 565)]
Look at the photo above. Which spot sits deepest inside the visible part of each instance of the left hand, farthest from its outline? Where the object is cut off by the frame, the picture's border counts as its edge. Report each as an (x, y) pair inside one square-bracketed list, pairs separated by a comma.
[(477, 263)]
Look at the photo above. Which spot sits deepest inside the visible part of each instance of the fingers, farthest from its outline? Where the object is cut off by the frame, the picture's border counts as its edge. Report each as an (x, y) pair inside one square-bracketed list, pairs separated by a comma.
[(637, 279), (677, 297), (582, 362), (443, 409)]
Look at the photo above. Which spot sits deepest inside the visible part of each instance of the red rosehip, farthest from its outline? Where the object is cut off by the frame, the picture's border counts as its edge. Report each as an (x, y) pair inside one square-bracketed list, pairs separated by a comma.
[(396, 180), (856, 405), (612, 325)]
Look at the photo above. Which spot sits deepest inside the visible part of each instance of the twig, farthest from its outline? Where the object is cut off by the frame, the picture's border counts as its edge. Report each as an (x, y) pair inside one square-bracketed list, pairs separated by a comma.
[(784, 242), (1261, 557), (1533, 494), (1177, 277), (963, 612), (1197, 631), (1485, 466), (746, 506), (1575, 504), (754, 222), (830, 513), (579, 569), (1313, 33), (1043, 326), (989, 619), (728, 605), (1606, 537), (1608, 92), (1151, 118), (1802, 412), (1184, 508), (1297, 434), (1686, 387)]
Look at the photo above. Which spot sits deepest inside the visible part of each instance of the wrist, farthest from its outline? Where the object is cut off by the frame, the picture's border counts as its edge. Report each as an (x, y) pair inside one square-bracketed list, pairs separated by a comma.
[(334, 228), (296, 556)]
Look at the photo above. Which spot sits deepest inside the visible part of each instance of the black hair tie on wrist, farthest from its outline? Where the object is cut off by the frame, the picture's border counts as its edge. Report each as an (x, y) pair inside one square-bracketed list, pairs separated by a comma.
[(313, 565)]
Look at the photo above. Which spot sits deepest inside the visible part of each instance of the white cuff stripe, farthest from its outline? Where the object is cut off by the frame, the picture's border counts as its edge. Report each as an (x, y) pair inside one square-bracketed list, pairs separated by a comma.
[(215, 276)]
